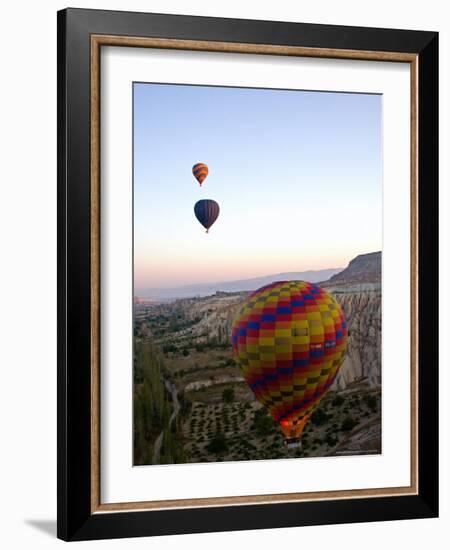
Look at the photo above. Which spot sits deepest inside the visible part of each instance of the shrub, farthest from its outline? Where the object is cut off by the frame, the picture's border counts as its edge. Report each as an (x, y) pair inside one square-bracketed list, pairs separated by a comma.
[(262, 423), (348, 424), (228, 395), (338, 401), (371, 402), (319, 417), (169, 348), (218, 444), (331, 440)]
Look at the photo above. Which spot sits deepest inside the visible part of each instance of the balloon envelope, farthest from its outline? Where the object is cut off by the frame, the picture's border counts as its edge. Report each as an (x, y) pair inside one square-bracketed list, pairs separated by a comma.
[(289, 339), (206, 211), (200, 172)]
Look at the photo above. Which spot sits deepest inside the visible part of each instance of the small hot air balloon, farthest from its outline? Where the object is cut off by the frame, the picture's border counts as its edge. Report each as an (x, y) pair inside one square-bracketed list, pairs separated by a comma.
[(289, 339), (206, 211), (200, 172)]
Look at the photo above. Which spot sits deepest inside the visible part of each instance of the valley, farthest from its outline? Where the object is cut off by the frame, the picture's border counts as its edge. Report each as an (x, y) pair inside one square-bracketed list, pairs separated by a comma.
[(203, 411)]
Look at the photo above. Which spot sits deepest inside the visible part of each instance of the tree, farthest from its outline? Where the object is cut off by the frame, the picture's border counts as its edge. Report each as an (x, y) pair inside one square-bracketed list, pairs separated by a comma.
[(331, 440), (348, 424), (319, 417), (218, 444), (371, 402), (169, 348), (150, 401), (228, 395), (338, 401), (263, 423)]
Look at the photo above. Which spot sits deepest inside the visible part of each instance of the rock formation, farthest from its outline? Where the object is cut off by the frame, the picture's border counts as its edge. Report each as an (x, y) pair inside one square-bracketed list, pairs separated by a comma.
[(363, 313), (358, 289)]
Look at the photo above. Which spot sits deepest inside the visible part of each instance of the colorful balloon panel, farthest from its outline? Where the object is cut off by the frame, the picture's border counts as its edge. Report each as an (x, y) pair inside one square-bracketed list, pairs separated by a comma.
[(206, 212), (289, 339), (200, 172)]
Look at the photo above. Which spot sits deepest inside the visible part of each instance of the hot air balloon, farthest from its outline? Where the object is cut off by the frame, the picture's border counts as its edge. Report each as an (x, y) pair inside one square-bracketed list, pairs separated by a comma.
[(289, 339), (200, 172), (206, 211)]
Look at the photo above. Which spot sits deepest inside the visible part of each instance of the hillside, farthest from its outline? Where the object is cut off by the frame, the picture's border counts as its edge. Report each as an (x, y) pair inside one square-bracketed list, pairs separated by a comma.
[(193, 335), (358, 289), (365, 268)]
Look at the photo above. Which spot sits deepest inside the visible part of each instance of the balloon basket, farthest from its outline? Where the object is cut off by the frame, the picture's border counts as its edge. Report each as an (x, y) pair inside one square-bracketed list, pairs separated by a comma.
[(293, 443)]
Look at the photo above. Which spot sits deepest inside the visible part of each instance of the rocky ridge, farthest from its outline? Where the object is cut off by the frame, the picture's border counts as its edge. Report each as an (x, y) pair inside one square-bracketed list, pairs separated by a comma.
[(358, 290), (365, 268)]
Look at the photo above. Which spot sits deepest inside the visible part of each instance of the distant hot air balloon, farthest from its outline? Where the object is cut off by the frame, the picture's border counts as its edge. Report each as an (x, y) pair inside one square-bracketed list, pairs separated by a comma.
[(200, 172), (206, 211), (289, 339)]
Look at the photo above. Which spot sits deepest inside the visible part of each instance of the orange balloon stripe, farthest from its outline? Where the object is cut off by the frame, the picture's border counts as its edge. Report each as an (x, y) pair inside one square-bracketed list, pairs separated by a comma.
[(200, 172)]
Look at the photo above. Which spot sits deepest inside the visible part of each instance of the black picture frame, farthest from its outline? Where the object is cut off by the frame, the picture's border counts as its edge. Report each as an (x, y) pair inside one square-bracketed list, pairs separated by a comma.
[(75, 518)]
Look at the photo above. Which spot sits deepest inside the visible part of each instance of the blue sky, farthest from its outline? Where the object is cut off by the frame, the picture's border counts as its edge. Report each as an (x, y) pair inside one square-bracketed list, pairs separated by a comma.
[(298, 176)]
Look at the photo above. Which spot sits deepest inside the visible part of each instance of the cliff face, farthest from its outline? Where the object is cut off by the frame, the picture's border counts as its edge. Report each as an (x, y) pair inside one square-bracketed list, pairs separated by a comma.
[(363, 360), (357, 289), (362, 308)]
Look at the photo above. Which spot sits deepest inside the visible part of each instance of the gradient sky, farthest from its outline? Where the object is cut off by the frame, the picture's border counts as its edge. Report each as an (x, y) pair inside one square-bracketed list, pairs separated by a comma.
[(298, 176)]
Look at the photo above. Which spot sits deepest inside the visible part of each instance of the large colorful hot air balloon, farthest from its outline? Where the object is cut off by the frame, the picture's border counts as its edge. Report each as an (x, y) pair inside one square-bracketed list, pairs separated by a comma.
[(289, 339), (206, 212), (200, 172)]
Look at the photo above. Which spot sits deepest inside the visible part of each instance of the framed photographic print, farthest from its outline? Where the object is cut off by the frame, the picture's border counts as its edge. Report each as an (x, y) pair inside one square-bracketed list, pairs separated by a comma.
[(248, 296)]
